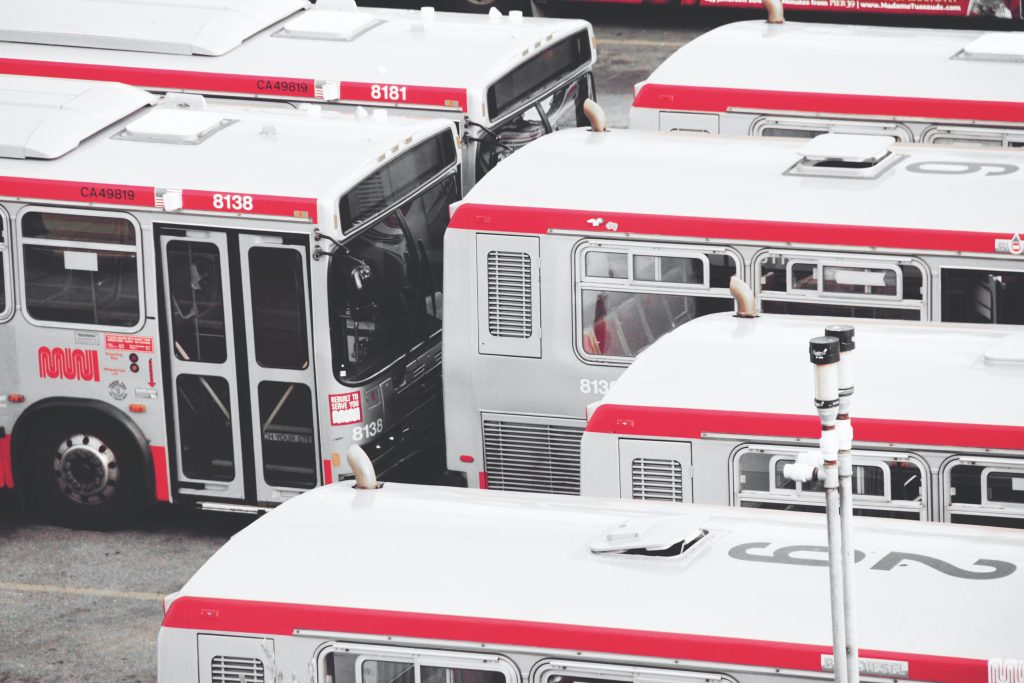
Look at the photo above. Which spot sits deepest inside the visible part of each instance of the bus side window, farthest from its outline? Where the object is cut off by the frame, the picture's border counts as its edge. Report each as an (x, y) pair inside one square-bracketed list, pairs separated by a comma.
[(987, 491), (398, 665), (812, 283), (5, 270), (884, 484), (81, 268), (575, 671), (982, 296), (629, 295), (796, 127)]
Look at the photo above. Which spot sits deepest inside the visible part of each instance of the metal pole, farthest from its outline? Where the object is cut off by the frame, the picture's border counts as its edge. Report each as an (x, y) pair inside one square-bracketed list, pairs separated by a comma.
[(824, 352), (844, 430)]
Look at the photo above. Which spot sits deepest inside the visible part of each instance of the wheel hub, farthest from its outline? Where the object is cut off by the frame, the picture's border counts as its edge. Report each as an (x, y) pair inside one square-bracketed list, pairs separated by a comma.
[(85, 469)]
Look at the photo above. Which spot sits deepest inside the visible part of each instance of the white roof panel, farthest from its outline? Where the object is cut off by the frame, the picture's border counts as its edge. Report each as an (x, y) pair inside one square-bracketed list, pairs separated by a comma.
[(44, 118), (193, 27), (908, 371), (537, 550), (850, 60), (996, 46)]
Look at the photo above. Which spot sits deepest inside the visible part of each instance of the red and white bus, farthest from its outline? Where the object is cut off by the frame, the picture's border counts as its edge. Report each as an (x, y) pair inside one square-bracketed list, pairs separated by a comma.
[(586, 247), (207, 305), (714, 410), (581, 591), (803, 79), (503, 80)]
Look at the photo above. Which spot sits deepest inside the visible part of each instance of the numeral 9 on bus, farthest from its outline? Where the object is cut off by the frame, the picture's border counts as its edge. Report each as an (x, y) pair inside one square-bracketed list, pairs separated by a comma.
[(388, 93)]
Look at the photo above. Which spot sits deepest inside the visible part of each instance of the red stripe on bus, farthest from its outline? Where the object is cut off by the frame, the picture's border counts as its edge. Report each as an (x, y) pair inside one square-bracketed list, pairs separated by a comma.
[(265, 86), (244, 616), (687, 423), (302, 208), (161, 476), (701, 99), (328, 472), (77, 191), (6, 468), (497, 218)]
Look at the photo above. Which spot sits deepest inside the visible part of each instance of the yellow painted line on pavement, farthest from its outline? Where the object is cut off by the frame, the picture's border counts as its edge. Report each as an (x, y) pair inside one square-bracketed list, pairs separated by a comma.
[(71, 590), (640, 43)]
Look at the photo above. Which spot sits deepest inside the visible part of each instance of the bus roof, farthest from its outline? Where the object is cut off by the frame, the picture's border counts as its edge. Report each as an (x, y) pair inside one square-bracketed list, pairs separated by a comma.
[(924, 197), (918, 383), (288, 161), (761, 66), (438, 57), (519, 570)]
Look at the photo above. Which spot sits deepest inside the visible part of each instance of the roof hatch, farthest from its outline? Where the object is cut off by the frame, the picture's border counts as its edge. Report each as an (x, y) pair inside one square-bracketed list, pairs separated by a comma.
[(45, 118), (995, 47), (329, 25), (665, 537), (843, 155), (198, 27), (176, 126)]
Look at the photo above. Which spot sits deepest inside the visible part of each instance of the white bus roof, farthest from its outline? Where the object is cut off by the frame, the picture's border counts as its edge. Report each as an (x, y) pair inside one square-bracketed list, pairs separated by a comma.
[(749, 189), (518, 570), (917, 383), (438, 57), (291, 162), (880, 70)]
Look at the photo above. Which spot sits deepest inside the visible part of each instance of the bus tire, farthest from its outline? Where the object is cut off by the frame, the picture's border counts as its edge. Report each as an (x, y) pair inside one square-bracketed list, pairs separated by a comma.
[(84, 471)]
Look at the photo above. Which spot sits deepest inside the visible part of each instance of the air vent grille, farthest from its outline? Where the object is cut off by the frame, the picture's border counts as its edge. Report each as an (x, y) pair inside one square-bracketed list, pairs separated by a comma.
[(225, 669), (509, 294), (657, 479), (538, 458)]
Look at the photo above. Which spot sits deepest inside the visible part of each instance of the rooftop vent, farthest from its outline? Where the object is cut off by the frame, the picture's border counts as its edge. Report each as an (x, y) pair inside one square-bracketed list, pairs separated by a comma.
[(175, 126), (664, 537), (329, 25), (842, 155), (1009, 349), (995, 47), (162, 26)]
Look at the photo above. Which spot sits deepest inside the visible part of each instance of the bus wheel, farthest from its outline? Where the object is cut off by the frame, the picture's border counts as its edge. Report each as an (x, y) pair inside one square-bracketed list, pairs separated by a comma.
[(86, 473)]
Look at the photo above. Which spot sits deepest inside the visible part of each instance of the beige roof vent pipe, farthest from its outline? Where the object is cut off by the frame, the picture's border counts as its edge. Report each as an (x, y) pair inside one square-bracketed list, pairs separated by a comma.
[(774, 9), (595, 114), (746, 306)]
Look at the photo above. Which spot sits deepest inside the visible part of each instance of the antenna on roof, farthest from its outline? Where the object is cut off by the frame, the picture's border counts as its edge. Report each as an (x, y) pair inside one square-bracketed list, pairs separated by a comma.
[(774, 9), (595, 114)]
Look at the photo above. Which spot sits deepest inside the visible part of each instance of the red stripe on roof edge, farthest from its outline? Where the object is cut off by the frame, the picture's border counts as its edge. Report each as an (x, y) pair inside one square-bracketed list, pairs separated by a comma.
[(244, 616), (701, 99), (264, 86), (531, 220), (687, 423)]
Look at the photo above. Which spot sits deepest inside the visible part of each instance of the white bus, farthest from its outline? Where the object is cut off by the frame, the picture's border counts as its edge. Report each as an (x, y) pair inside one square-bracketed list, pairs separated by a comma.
[(503, 80), (209, 305), (714, 410), (583, 591), (804, 79), (585, 247)]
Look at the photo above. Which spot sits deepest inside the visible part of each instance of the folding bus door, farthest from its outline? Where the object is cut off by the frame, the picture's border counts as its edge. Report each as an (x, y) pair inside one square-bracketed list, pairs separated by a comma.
[(274, 276)]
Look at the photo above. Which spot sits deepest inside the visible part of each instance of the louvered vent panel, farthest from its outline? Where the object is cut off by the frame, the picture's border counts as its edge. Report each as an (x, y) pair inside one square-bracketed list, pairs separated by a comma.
[(540, 458), (236, 670), (656, 479), (509, 294)]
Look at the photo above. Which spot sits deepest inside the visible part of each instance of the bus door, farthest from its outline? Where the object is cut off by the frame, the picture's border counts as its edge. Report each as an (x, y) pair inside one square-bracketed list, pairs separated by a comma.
[(236, 312)]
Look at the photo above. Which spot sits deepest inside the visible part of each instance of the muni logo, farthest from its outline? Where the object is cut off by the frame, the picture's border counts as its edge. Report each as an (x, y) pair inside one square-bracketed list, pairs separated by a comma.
[(1006, 671), (58, 363)]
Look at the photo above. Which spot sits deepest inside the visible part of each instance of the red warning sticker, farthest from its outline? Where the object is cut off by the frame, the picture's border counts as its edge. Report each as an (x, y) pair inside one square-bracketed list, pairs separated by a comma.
[(127, 342), (345, 408)]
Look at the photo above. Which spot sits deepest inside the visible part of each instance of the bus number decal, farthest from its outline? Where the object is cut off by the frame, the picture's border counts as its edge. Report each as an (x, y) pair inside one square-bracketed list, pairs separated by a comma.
[(596, 386), (283, 86), (388, 93), (368, 430), (110, 194), (232, 202), (345, 409)]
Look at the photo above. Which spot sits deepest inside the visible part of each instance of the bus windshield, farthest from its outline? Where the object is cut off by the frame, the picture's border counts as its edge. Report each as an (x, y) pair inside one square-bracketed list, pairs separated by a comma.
[(385, 284)]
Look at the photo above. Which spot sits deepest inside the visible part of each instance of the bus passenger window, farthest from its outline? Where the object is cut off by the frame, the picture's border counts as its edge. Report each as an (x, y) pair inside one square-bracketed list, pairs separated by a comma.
[(986, 491), (81, 269), (3, 271), (197, 301), (627, 300), (983, 296)]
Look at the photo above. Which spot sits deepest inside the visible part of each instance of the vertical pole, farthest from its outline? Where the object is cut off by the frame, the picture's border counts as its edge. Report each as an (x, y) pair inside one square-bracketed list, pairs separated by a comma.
[(844, 430), (824, 352)]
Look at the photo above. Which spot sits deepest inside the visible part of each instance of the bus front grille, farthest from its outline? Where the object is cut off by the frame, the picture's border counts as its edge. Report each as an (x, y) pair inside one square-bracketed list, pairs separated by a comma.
[(225, 669), (532, 456), (657, 479)]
